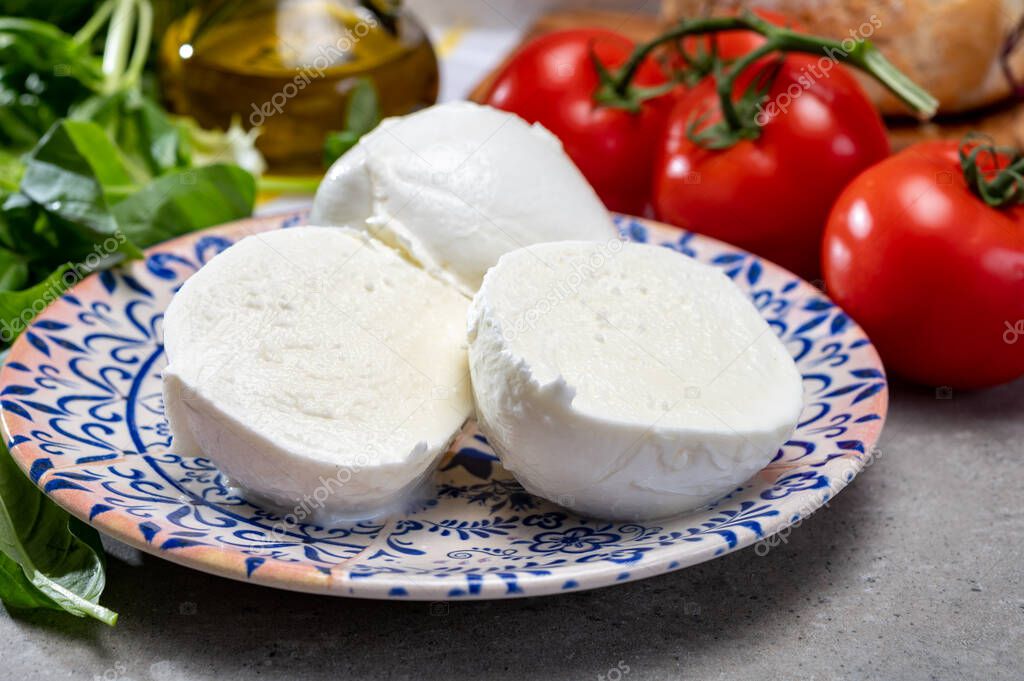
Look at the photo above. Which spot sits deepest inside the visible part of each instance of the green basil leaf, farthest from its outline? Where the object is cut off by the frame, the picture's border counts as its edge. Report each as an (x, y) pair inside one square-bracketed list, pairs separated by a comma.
[(362, 114), (43, 71), (146, 135), (21, 226), (23, 119), (17, 592), (68, 14), (41, 46), (185, 201), (65, 572), (19, 308), (74, 173), (336, 144), (12, 221), (13, 271), (11, 169)]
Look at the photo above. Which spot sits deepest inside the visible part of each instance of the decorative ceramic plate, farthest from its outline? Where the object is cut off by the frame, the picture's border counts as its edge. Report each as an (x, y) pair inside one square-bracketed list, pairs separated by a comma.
[(83, 416)]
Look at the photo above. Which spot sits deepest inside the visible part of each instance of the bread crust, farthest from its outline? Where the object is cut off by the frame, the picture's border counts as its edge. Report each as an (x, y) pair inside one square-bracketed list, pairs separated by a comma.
[(949, 47)]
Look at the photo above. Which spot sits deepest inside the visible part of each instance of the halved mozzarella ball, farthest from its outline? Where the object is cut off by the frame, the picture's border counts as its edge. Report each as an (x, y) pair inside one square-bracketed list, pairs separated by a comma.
[(624, 380), (319, 370)]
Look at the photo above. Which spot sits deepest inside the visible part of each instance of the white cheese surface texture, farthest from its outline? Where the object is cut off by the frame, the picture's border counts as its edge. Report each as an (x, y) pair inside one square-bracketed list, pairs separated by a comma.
[(457, 185), (626, 381), (319, 370)]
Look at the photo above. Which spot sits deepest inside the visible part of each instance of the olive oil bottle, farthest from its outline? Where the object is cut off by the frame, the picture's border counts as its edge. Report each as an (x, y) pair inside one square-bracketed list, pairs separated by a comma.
[(288, 66)]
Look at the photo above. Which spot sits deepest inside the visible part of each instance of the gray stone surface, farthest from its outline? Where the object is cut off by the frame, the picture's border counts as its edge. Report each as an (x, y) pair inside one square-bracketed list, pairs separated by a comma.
[(914, 572)]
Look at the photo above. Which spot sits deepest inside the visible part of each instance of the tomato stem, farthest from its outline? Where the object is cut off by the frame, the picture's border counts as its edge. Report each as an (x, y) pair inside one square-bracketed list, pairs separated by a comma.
[(998, 186), (863, 55), (680, 31), (724, 84)]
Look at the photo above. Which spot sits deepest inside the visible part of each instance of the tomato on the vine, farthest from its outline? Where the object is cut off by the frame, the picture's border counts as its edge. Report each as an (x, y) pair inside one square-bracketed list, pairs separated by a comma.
[(553, 81), (933, 273), (771, 194)]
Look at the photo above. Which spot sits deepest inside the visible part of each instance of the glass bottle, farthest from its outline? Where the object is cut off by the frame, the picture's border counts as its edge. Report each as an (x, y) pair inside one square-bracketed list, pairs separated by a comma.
[(288, 67)]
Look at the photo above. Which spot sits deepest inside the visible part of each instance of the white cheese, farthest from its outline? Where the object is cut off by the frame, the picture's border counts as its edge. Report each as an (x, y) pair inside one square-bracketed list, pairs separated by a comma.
[(320, 371), (624, 380), (457, 185)]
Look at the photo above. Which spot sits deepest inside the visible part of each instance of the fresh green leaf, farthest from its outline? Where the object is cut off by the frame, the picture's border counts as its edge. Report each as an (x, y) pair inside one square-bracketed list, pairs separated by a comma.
[(337, 143), (25, 227), (74, 174), (19, 593), (145, 134), (13, 270), (362, 114), (11, 169), (43, 71), (37, 43), (66, 573), (77, 193), (103, 162), (18, 308), (23, 118), (185, 201), (83, 150), (67, 14), (47, 241)]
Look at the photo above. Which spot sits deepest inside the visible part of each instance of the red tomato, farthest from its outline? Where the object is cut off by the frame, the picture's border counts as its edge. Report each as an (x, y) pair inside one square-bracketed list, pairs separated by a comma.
[(771, 195), (935, 276), (552, 81)]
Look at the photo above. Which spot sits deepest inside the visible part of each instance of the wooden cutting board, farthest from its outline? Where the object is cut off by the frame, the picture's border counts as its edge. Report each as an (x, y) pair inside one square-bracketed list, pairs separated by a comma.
[(1004, 123)]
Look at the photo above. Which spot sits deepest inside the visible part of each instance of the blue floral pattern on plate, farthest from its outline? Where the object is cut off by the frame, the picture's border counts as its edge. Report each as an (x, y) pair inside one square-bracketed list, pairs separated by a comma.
[(83, 415)]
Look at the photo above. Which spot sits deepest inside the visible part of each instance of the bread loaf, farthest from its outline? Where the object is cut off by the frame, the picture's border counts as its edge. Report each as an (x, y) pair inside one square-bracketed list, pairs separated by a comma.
[(950, 47)]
